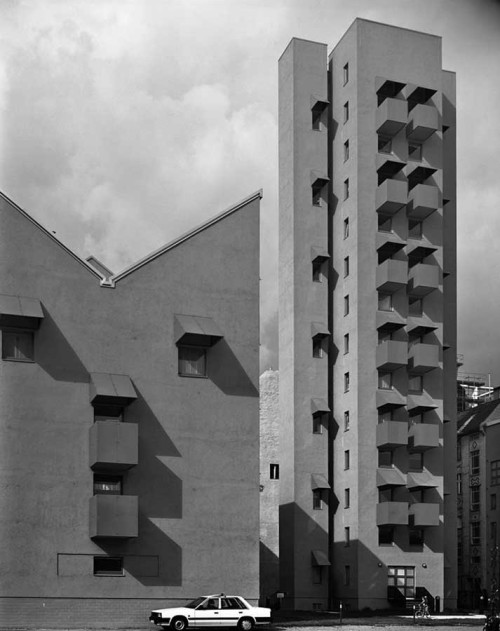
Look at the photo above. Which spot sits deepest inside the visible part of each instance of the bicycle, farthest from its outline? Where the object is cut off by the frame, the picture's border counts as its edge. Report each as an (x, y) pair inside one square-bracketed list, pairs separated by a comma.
[(422, 611)]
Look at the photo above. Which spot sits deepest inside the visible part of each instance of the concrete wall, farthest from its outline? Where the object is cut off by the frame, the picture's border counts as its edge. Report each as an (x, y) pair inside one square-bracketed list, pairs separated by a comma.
[(197, 477)]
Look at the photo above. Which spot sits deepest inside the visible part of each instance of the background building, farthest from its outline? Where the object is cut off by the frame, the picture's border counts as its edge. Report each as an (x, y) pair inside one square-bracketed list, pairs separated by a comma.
[(129, 425), (367, 320), (472, 388), (478, 479)]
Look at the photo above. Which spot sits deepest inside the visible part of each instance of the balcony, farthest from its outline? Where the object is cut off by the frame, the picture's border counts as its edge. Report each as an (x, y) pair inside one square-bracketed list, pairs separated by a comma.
[(423, 436), (392, 275), (421, 480), (389, 400), (392, 115), (423, 121), (391, 196), (387, 245), (392, 355), (392, 514), (424, 514), (423, 200), (388, 165), (422, 358), (388, 477), (420, 403), (114, 516), (113, 445), (420, 325), (391, 435), (423, 279)]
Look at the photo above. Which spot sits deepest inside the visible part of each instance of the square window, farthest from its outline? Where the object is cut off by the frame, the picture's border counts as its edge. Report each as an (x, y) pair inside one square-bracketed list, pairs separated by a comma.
[(108, 566), (346, 305), (346, 421), (385, 459), (415, 306), (192, 361), (346, 227), (346, 151), (347, 459), (384, 144), (346, 188), (415, 228), (317, 500), (346, 111), (414, 151), (347, 382), (415, 383), (384, 223), (385, 535), (347, 498), (384, 301), (107, 484), (274, 471), (18, 345), (346, 266), (416, 461), (346, 343), (346, 73), (385, 380), (347, 536)]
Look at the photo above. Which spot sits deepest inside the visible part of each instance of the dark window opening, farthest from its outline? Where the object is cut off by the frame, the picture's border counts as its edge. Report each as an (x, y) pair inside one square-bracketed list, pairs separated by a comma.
[(384, 144), (108, 484), (108, 412), (416, 536), (18, 345), (415, 228), (415, 461), (274, 471), (415, 151), (385, 535), (384, 223), (192, 361), (108, 566), (385, 459)]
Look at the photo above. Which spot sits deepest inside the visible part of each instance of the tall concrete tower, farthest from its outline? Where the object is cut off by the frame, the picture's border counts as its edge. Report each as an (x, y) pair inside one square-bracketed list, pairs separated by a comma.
[(367, 320)]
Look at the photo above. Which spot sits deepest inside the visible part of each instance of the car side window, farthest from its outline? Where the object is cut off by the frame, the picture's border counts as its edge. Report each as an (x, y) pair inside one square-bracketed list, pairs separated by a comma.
[(212, 603), (230, 603)]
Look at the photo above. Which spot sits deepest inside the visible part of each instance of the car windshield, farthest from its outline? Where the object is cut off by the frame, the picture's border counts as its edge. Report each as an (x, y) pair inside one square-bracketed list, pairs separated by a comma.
[(194, 603)]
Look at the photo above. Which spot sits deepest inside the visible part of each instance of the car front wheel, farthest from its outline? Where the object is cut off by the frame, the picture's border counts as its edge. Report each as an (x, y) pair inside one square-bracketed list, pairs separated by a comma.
[(245, 624), (179, 624)]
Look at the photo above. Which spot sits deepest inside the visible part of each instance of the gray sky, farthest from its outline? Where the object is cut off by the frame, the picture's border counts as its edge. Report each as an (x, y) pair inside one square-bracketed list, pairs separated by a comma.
[(125, 123)]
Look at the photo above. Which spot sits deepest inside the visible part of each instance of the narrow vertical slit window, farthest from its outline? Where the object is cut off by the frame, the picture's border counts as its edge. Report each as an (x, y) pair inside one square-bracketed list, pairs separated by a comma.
[(346, 188), (346, 227), (346, 151), (346, 111), (346, 74)]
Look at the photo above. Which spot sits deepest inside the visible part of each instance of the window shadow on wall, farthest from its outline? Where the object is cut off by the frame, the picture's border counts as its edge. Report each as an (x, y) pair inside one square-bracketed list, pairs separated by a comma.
[(55, 354), (227, 373)]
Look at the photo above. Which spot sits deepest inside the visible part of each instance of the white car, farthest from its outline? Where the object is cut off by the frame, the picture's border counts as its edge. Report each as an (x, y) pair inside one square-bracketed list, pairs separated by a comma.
[(217, 610)]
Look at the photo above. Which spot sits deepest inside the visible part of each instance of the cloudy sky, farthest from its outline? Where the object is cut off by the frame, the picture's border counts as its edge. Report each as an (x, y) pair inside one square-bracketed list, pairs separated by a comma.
[(124, 123)]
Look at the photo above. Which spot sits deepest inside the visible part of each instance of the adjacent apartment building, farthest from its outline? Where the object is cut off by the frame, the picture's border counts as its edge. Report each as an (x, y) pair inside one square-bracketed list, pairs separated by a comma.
[(129, 424), (367, 324), (478, 482)]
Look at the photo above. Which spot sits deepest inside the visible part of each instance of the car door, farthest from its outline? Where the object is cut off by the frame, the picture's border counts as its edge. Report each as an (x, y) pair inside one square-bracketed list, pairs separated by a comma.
[(230, 612), (207, 614)]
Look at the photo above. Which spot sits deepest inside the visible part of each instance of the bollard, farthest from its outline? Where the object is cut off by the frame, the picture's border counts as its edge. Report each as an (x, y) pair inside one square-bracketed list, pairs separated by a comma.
[(414, 619), (340, 613), (437, 604)]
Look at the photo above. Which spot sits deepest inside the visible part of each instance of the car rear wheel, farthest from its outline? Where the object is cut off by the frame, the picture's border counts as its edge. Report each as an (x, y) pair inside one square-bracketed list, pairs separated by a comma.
[(245, 624), (179, 624)]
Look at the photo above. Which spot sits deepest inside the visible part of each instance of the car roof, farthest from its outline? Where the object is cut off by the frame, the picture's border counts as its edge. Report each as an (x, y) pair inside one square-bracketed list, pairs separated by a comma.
[(221, 596)]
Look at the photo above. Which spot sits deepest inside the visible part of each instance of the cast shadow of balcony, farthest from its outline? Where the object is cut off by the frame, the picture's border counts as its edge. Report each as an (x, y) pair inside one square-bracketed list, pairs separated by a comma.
[(227, 373)]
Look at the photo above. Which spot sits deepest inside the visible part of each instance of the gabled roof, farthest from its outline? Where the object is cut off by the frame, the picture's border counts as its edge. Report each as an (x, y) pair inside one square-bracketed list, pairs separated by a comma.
[(470, 421)]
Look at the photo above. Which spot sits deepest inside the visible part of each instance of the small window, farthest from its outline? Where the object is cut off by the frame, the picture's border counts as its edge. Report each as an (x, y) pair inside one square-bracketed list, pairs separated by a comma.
[(317, 190), (347, 382), (346, 74), (384, 301), (414, 151), (346, 421), (415, 306), (192, 361), (347, 536), (493, 501), (347, 459), (274, 471), (416, 461), (475, 533), (316, 118), (474, 462), (384, 144), (346, 188), (416, 383), (474, 498), (415, 228), (346, 343), (347, 575), (346, 305), (385, 380), (459, 484), (317, 270), (346, 151), (385, 535), (317, 349), (495, 472), (347, 498), (346, 111), (385, 459), (346, 227), (318, 421), (384, 223), (108, 566), (317, 500), (346, 266), (107, 485), (17, 345), (416, 536)]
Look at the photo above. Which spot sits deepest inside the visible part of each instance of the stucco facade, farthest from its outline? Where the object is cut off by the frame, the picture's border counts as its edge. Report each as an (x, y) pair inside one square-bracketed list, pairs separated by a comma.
[(168, 485), (367, 320)]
